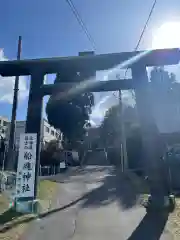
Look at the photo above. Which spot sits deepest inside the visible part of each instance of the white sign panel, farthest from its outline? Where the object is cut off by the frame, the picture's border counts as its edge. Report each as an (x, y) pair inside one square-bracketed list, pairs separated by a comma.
[(75, 155), (26, 165), (62, 164)]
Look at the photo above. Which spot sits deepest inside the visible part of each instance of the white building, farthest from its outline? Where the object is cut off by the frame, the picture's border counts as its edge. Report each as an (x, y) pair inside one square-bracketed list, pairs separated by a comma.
[(48, 132)]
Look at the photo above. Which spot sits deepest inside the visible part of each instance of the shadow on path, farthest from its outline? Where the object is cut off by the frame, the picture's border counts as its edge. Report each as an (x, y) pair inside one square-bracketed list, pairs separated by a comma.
[(40, 216), (151, 227), (9, 215), (116, 186), (113, 186)]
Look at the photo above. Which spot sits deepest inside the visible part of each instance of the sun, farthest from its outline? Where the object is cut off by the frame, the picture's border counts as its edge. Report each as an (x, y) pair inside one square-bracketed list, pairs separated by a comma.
[(167, 36)]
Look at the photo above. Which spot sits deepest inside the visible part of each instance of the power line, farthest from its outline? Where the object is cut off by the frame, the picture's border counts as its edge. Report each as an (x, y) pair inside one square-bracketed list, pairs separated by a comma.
[(140, 39), (142, 32), (124, 158), (81, 23), (146, 24), (144, 29), (89, 36)]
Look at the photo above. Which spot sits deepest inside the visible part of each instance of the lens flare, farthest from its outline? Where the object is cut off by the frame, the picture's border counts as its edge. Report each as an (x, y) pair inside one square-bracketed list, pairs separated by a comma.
[(92, 82)]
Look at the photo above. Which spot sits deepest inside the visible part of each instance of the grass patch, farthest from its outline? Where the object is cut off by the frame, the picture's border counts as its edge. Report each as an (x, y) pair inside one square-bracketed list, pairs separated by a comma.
[(8, 216), (46, 192), (3, 203), (46, 189), (173, 224)]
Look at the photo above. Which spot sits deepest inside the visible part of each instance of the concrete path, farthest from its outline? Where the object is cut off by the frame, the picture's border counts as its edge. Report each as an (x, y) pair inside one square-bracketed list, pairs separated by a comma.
[(107, 209)]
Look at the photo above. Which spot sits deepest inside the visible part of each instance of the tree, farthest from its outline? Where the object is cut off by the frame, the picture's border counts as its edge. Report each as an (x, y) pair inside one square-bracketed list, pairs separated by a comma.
[(110, 129), (110, 135), (70, 113), (163, 85), (50, 154), (165, 99)]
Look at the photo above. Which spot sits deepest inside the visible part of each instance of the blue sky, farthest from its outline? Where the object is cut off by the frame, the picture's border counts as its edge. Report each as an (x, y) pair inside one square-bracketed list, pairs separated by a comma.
[(49, 29)]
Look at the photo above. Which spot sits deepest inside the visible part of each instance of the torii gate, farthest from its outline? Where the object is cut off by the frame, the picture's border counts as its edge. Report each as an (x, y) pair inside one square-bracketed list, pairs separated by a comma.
[(137, 61)]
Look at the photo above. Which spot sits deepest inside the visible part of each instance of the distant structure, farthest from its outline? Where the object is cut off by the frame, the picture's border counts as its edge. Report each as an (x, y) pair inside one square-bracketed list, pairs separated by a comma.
[(48, 132), (4, 126)]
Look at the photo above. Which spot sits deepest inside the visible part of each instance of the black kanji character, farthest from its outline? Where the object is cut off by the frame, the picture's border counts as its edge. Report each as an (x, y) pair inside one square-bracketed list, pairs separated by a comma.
[(26, 138), (18, 191), (26, 145), (26, 176), (27, 156), (25, 188), (31, 138), (30, 144), (27, 166)]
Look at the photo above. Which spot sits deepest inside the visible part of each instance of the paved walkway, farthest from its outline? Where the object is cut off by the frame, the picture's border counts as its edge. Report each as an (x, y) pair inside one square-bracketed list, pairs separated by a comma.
[(107, 209)]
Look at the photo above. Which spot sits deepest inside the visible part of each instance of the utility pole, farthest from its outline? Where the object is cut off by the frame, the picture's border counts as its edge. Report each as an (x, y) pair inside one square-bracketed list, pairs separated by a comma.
[(14, 109), (124, 158)]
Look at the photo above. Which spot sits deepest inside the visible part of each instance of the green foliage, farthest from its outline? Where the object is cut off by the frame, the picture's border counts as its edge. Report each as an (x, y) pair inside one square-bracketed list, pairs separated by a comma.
[(110, 129), (164, 87), (70, 113), (50, 154), (110, 135)]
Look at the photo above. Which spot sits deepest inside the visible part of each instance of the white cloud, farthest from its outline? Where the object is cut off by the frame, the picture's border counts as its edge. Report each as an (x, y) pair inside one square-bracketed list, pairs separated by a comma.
[(100, 109), (109, 100), (7, 85)]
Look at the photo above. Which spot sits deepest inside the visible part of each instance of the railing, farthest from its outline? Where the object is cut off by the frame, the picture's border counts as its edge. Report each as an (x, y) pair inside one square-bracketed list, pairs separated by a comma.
[(51, 170)]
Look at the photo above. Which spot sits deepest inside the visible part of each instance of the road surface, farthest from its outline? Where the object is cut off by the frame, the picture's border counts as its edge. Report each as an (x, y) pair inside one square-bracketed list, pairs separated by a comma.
[(97, 203)]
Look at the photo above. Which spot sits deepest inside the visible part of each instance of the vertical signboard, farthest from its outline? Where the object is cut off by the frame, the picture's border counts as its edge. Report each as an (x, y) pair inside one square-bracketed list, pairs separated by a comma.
[(26, 166)]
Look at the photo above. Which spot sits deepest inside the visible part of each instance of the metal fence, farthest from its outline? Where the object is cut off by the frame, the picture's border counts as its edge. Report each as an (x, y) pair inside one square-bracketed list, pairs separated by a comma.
[(49, 170)]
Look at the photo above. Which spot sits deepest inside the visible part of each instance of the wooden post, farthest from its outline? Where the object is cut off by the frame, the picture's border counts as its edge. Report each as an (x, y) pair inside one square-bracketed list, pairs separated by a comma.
[(124, 157), (10, 156)]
